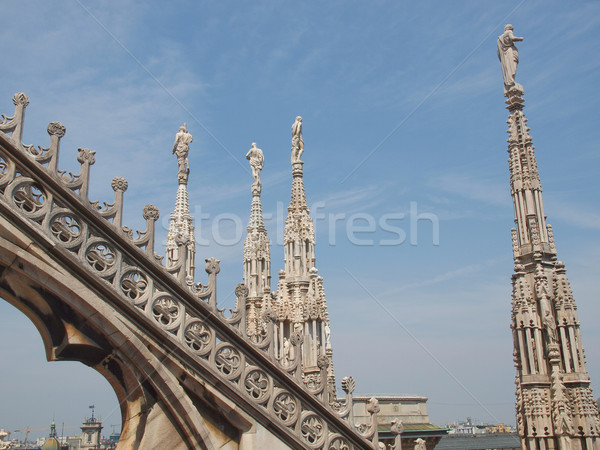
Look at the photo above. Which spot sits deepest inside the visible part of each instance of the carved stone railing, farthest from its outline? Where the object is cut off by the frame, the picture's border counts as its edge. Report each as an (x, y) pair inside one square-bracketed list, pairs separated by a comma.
[(92, 240)]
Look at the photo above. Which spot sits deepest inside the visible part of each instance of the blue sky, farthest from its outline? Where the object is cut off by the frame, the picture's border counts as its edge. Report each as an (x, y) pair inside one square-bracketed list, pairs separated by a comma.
[(415, 86)]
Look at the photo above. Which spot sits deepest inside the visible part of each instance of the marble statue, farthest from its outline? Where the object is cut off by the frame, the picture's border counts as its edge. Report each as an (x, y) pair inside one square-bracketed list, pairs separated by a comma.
[(420, 444), (286, 351), (257, 160), (181, 148), (550, 327), (327, 336), (509, 57), (297, 142)]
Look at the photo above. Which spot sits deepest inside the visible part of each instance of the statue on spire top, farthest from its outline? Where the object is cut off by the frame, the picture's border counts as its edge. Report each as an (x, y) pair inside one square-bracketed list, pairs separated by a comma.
[(257, 160), (509, 58), (181, 148), (297, 142)]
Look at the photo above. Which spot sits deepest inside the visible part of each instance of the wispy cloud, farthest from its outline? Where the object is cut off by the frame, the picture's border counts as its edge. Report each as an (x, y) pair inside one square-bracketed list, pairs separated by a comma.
[(467, 186), (451, 275), (353, 200)]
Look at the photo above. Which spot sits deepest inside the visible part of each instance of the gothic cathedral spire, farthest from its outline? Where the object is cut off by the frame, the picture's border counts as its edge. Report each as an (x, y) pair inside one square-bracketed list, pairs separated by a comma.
[(301, 302), (257, 255), (181, 247), (555, 407)]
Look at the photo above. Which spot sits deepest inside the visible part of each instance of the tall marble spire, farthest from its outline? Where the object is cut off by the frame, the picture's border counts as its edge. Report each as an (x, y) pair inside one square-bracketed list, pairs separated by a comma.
[(555, 407), (257, 254), (300, 304), (181, 246)]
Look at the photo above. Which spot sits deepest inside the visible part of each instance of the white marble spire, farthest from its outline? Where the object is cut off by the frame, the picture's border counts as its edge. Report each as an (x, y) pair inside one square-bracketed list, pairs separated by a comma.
[(301, 304), (555, 406), (257, 255), (181, 247)]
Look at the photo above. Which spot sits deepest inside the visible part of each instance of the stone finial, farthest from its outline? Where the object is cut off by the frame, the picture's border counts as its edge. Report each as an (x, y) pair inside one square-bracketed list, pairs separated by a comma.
[(348, 385), (86, 155), (373, 406), (212, 265), (257, 161), (296, 338), (509, 58), (151, 212), (397, 426), (119, 184), (56, 129), (269, 316), (241, 290), (420, 444), (322, 362), (20, 99), (181, 148), (297, 141)]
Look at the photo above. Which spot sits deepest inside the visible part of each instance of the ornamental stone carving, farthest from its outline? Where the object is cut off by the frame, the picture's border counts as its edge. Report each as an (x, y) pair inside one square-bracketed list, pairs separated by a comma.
[(258, 385), (20, 99), (134, 284), (65, 228), (56, 129), (313, 430), (119, 184), (228, 361), (101, 257), (322, 362), (212, 266), (86, 155), (198, 336), (29, 197), (285, 407), (151, 212)]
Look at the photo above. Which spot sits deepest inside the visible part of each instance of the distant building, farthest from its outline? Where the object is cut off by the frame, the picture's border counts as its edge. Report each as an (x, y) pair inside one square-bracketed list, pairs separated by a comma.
[(410, 409), (90, 437), (52, 442), (468, 427)]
